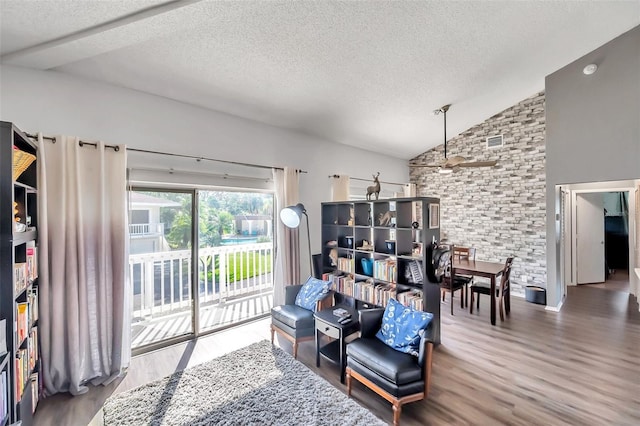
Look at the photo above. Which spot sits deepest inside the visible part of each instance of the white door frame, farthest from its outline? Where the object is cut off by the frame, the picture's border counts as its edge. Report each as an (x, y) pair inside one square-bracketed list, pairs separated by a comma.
[(632, 230)]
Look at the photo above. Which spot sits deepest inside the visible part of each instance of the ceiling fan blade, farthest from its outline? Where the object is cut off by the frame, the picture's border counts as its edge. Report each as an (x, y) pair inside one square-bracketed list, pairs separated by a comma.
[(431, 166), (478, 164), (454, 161)]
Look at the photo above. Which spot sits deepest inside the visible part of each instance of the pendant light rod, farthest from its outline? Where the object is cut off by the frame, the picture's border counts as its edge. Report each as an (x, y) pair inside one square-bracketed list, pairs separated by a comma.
[(444, 109)]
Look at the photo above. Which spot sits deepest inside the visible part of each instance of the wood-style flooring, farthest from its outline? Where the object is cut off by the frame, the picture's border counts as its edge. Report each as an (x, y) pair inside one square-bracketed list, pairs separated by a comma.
[(580, 366)]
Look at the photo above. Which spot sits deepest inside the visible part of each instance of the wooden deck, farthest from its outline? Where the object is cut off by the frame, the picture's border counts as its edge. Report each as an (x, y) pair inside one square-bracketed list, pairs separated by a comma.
[(580, 366), (212, 316)]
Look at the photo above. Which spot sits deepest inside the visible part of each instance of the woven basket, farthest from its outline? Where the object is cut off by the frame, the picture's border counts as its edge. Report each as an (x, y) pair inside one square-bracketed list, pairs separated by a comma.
[(21, 161)]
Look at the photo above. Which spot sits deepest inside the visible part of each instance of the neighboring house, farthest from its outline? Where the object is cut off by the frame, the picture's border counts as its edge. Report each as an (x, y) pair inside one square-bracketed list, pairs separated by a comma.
[(146, 231), (247, 224)]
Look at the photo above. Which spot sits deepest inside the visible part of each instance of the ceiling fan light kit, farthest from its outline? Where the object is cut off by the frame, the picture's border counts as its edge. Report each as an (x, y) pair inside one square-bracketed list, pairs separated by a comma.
[(449, 165)]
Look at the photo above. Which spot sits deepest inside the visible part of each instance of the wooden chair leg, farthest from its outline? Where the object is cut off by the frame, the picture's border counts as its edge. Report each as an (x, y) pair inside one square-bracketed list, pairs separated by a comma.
[(443, 292), (272, 332), (295, 350), (478, 302), (348, 373), (501, 306), (397, 409), (451, 302), (471, 304), (462, 291)]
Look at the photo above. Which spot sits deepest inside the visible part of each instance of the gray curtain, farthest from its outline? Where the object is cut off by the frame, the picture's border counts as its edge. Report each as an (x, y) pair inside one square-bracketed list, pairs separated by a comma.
[(84, 296), (287, 260)]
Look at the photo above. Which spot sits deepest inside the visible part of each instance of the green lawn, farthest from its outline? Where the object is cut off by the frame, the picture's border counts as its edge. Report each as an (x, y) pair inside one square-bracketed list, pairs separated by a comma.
[(246, 267)]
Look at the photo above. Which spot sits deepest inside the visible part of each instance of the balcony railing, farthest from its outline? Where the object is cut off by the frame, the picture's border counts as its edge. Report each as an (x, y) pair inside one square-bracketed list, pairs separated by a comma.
[(136, 229), (162, 280)]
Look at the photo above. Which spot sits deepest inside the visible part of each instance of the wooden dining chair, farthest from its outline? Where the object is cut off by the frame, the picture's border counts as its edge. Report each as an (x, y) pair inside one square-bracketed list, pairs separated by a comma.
[(451, 283), (464, 253), (485, 288)]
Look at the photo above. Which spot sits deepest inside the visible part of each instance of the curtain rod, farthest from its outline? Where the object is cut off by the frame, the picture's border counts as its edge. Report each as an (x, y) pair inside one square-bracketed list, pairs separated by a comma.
[(190, 172), (369, 180), (200, 158), (116, 148), (197, 158)]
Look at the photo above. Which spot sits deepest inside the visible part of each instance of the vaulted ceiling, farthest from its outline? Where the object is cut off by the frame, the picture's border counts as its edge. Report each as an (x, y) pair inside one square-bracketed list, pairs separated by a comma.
[(367, 74)]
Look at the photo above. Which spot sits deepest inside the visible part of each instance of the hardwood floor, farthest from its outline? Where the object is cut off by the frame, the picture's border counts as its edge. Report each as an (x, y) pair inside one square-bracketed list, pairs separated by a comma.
[(580, 366)]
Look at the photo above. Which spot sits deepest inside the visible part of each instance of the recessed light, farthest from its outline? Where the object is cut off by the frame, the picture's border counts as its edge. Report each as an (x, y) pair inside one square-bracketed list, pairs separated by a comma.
[(590, 69)]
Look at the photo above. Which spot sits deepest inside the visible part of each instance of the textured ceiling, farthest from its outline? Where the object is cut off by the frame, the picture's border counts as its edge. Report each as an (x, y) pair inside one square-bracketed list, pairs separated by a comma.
[(367, 74)]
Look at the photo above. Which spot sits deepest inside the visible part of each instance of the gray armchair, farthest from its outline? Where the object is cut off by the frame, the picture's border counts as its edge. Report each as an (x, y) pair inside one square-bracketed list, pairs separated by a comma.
[(396, 376), (293, 322)]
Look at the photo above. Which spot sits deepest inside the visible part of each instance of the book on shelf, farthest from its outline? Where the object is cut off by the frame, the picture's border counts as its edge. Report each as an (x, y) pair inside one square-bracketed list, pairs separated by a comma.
[(32, 300), (22, 321), (32, 263), (20, 275), (33, 348), (3, 337), (35, 391)]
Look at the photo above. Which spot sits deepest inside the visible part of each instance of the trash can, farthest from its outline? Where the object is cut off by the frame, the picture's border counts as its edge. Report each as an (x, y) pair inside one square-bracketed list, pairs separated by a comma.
[(535, 294)]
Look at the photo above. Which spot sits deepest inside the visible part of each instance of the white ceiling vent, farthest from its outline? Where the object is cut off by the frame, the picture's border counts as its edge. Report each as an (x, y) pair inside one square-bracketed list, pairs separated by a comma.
[(495, 141)]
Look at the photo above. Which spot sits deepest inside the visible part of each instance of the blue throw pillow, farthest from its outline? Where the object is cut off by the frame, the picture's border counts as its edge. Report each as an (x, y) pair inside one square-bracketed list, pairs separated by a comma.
[(312, 291), (401, 326)]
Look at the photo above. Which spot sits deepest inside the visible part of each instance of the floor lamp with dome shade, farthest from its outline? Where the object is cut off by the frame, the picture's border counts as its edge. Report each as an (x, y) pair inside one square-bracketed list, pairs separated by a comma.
[(291, 217)]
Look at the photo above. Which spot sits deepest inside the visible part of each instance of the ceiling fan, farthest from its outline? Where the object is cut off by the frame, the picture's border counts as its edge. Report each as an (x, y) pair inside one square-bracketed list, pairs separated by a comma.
[(449, 165)]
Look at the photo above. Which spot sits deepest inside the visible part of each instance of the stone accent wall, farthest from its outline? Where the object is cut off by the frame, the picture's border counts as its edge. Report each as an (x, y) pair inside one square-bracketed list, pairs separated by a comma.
[(498, 210)]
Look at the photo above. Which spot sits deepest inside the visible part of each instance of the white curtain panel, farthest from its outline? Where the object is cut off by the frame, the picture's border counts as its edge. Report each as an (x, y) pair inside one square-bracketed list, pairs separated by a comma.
[(287, 261), (84, 291), (340, 188)]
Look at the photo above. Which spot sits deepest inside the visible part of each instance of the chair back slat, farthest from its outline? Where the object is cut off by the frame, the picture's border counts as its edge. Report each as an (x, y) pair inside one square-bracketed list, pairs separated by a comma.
[(506, 274)]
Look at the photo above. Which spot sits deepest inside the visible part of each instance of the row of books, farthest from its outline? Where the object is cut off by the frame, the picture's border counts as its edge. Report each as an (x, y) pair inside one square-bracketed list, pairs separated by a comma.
[(412, 298), (385, 269), (346, 264), (25, 272), (26, 360), (377, 294), (26, 315)]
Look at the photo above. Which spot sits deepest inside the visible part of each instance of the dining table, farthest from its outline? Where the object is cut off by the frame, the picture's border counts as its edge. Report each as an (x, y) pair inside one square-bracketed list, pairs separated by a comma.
[(479, 268)]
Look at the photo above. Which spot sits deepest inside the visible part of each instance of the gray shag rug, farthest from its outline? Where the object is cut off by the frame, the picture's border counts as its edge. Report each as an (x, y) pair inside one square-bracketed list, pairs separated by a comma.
[(257, 385)]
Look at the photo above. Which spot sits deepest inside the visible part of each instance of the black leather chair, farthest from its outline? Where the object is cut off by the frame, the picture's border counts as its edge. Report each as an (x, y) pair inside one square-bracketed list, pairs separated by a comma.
[(294, 323), (396, 376)]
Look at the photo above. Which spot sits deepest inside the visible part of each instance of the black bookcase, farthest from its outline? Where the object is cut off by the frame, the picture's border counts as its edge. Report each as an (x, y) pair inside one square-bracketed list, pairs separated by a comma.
[(20, 364), (399, 232)]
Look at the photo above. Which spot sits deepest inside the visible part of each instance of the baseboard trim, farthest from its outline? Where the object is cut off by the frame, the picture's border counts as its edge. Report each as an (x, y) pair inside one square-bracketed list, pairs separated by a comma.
[(555, 308)]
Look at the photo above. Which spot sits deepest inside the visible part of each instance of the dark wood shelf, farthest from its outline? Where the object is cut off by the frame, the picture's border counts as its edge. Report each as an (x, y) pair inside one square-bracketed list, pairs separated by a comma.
[(394, 243)]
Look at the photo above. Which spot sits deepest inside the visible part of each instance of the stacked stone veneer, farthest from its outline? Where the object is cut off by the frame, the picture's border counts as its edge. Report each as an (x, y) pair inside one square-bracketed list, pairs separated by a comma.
[(498, 210)]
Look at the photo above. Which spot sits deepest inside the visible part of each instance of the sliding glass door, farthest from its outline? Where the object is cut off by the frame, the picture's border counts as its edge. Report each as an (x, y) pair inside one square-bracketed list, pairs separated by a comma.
[(160, 265), (235, 257), (183, 285)]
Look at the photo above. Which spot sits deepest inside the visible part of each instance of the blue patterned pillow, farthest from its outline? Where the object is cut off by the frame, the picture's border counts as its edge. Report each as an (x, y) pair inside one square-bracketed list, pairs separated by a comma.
[(401, 325), (312, 291)]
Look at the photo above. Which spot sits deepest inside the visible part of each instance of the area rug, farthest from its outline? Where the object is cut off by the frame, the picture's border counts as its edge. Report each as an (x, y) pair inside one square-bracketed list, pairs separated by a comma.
[(257, 385)]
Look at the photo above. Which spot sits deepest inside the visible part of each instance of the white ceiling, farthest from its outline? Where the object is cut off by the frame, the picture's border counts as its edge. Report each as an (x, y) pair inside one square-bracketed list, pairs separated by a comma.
[(365, 73)]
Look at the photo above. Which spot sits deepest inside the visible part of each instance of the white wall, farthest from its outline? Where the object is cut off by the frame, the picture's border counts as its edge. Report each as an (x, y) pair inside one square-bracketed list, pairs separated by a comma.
[(593, 131), (56, 103)]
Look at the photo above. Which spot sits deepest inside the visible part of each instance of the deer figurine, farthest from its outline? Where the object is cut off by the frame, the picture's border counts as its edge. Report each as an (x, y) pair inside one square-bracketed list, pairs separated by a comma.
[(374, 189)]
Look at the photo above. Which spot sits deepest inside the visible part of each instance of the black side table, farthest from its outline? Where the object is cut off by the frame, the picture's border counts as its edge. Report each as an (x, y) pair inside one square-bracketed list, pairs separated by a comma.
[(327, 324)]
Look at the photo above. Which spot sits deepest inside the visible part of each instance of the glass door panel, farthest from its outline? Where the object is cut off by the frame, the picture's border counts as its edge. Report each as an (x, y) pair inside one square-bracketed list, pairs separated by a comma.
[(160, 265), (235, 257)]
